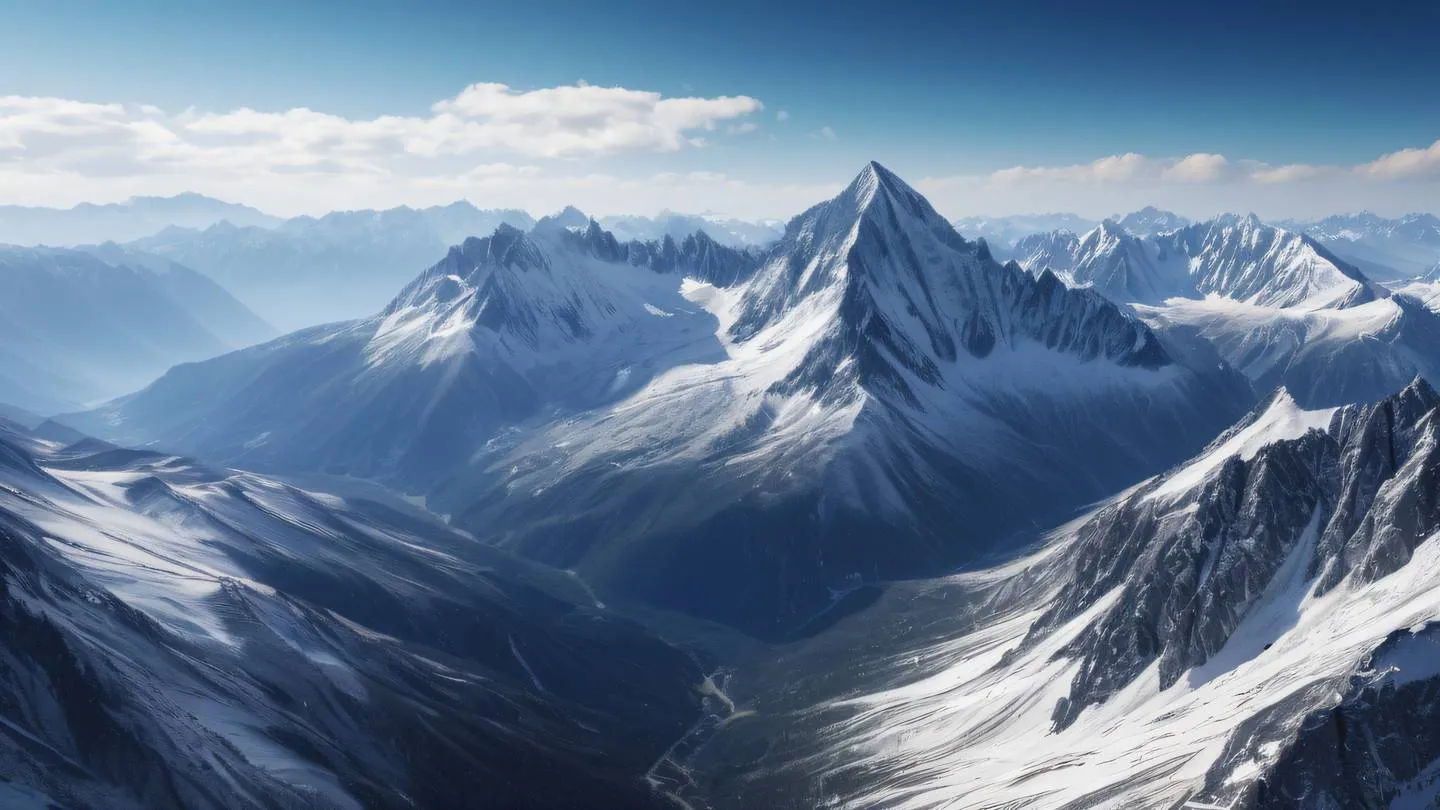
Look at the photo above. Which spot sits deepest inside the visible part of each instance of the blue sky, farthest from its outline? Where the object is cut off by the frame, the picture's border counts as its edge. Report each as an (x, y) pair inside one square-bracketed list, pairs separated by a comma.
[(947, 95)]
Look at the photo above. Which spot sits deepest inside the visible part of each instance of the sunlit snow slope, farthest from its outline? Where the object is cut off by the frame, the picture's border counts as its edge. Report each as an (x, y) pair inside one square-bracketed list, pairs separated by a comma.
[(1255, 627), (1274, 303), (178, 636)]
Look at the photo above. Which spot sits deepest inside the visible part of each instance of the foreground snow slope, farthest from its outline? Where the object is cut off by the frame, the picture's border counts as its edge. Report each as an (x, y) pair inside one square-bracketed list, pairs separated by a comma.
[(1256, 627), (178, 636)]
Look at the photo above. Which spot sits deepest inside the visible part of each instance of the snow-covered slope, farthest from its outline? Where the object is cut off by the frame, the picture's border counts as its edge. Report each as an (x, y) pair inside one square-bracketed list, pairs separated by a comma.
[(505, 329), (1244, 259), (746, 453), (1323, 356), (1253, 629), (1275, 304), (1239, 258), (180, 636)]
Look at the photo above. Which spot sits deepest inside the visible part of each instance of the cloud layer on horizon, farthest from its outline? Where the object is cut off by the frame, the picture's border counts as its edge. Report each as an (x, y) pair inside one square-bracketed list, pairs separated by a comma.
[(541, 149)]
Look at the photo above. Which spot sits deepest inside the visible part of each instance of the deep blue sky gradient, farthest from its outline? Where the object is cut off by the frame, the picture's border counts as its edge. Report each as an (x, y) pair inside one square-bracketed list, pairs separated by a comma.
[(958, 86), (929, 89)]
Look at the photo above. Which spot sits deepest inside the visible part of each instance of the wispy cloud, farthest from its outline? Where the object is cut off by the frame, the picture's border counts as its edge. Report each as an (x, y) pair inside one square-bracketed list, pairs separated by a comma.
[(52, 134), (1197, 168), (1200, 183), (1203, 167), (1405, 164), (586, 144)]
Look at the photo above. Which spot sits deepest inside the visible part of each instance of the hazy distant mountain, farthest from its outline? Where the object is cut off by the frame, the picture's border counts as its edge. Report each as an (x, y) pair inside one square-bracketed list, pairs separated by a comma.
[(204, 300), (1003, 232), (1150, 220), (725, 230), (137, 217), (76, 328), (310, 270), (1386, 249)]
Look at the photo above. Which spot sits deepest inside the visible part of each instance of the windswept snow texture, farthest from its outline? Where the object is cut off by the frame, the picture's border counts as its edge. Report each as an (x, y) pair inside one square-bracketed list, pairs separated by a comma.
[(1276, 305), (178, 636), (1254, 629), (744, 438)]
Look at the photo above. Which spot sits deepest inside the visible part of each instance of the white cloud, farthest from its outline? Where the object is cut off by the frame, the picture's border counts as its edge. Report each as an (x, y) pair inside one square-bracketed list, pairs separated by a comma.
[(1197, 168), (1405, 164), (541, 149), (1206, 168), (49, 135), (1112, 169), (58, 151), (1289, 173), (1200, 184)]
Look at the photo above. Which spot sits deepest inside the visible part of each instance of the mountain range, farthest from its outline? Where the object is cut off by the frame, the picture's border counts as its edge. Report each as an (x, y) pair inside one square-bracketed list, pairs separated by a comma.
[(725, 230), (120, 222), (81, 326), (305, 271), (1388, 249), (1276, 304), (869, 512), (873, 375)]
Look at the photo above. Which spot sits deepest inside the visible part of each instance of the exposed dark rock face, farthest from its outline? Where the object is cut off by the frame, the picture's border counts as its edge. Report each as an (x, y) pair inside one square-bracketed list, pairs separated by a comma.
[(1351, 501)]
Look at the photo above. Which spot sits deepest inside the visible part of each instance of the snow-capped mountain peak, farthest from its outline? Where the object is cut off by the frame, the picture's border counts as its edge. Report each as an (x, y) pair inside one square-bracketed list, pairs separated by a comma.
[(1150, 221), (567, 218), (1245, 259), (1232, 256)]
